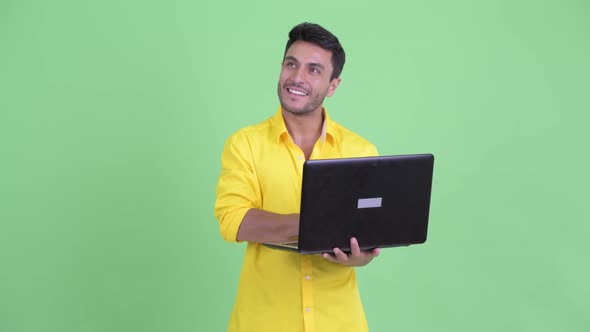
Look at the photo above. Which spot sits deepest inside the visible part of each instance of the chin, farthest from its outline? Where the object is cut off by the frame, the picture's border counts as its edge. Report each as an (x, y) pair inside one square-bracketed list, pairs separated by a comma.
[(297, 111)]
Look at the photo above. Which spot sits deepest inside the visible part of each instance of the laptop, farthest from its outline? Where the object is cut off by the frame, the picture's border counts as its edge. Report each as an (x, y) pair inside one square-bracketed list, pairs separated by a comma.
[(383, 201)]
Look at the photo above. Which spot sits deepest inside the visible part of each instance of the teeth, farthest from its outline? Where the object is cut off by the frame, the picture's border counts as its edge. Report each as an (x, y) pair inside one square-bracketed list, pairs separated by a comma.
[(299, 93)]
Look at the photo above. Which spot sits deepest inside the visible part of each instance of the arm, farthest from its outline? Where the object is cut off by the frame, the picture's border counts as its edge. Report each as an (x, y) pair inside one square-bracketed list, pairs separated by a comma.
[(267, 227), (238, 205)]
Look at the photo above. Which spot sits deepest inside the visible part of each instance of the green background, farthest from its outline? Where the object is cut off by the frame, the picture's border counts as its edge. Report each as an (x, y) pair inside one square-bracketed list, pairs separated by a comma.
[(113, 115)]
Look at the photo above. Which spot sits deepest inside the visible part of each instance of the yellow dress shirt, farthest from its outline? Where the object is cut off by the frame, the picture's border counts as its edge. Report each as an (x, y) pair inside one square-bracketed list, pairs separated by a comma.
[(281, 291)]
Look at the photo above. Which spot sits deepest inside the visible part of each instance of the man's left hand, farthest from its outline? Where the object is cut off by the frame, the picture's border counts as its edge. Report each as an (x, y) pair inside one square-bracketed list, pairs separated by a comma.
[(357, 257)]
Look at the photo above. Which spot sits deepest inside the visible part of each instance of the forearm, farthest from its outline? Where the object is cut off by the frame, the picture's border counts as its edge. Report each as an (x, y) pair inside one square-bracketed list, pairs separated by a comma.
[(267, 227)]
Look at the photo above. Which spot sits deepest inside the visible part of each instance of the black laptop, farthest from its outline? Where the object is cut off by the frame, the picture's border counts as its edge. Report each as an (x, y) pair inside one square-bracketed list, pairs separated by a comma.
[(382, 201)]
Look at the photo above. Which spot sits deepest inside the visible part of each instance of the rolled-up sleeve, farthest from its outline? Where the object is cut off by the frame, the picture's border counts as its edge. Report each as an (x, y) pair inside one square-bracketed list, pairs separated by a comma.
[(237, 189)]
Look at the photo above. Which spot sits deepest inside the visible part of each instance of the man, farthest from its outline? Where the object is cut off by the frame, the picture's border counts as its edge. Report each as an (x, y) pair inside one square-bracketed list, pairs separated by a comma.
[(258, 199)]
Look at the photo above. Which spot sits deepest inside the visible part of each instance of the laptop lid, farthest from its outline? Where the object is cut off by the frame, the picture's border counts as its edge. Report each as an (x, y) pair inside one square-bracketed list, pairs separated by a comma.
[(382, 201)]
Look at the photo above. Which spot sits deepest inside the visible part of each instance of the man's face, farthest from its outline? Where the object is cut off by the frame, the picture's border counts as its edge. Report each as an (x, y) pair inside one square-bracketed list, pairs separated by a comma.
[(305, 78)]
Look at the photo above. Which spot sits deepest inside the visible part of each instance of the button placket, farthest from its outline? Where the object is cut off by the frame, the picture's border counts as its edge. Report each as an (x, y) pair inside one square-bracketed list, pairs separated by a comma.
[(307, 292)]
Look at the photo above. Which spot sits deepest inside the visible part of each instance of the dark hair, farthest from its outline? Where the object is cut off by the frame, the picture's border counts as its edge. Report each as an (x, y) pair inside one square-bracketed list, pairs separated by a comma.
[(317, 35)]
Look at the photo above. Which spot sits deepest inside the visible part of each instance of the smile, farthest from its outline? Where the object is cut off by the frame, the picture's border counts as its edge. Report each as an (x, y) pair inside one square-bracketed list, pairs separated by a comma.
[(297, 92)]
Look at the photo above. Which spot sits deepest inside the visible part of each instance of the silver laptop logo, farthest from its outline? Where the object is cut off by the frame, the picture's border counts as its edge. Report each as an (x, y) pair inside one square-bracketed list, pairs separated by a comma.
[(367, 203)]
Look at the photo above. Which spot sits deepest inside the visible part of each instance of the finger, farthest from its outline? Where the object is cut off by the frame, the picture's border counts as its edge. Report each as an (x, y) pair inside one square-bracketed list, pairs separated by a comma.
[(341, 255), (375, 252), (354, 247), (330, 257)]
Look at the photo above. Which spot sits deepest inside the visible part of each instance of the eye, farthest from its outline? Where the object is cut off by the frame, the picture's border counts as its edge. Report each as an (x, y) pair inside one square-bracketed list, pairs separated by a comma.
[(290, 64), (314, 70)]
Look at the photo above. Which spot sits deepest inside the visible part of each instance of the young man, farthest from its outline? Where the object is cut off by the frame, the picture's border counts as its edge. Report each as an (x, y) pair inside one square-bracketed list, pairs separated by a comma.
[(258, 199)]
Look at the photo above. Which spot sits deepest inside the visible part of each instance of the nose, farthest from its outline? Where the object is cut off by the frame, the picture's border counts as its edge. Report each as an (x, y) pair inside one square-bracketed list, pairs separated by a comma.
[(298, 75)]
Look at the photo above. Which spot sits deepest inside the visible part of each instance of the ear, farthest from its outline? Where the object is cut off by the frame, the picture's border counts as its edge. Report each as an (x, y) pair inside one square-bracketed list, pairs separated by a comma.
[(333, 85)]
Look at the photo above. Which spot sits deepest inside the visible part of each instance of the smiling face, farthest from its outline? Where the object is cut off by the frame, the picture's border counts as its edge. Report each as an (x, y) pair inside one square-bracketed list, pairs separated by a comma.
[(305, 78)]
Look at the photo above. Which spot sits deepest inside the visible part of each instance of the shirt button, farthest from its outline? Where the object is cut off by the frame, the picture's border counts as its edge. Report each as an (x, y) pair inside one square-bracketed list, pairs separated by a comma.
[(308, 309), (307, 277), (300, 157)]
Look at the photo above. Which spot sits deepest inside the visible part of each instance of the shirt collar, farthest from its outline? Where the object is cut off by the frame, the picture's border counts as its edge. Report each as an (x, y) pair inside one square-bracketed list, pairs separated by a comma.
[(279, 129)]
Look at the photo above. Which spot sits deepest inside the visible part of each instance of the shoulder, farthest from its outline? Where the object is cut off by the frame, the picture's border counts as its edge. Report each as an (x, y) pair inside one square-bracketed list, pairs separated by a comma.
[(250, 133)]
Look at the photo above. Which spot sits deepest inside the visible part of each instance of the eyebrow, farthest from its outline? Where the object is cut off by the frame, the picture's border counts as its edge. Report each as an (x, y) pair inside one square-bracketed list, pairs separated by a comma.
[(313, 64), (288, 57)]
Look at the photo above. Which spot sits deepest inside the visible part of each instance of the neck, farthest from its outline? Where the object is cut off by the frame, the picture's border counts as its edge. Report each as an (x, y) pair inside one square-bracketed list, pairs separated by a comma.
[(305, 126)]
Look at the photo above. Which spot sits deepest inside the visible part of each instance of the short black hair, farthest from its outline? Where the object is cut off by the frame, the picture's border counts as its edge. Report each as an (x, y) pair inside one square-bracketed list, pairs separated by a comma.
[(317, 35)]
